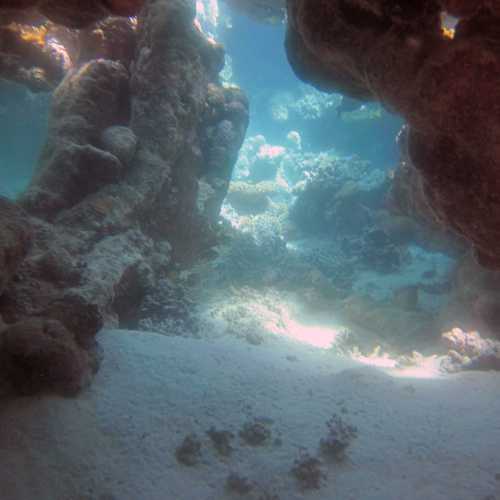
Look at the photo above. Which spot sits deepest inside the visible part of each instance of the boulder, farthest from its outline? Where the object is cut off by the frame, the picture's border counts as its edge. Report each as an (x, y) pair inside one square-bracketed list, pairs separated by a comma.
[(41, 355)]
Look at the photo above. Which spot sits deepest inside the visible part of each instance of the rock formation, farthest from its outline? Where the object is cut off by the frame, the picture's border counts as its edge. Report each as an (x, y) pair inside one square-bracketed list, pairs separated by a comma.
[(445, 85), (73, 13), (138, 159)]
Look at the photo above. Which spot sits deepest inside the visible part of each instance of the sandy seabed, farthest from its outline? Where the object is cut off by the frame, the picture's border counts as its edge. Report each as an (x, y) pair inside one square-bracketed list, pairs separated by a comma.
[(432, 438)]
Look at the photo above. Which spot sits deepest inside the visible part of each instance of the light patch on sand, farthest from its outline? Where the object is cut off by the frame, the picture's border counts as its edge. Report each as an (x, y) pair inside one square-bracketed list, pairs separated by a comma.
[(283, 324), (425, 367)]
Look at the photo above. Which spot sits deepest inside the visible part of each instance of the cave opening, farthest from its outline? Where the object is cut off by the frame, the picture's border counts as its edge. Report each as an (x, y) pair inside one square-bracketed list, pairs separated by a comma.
[(217, 280)]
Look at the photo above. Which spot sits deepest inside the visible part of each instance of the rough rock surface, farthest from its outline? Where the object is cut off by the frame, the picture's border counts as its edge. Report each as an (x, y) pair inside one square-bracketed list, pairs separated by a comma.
[(468, 351), (38, 355), (399, 55), (77, 14), (121, 142), (38, 47), (28, 58), (15, 240), (135, 168), (407, 198), (111, 38), (73, 13)]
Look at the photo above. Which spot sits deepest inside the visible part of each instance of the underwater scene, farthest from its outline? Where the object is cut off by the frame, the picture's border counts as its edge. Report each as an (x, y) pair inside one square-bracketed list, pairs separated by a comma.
[(249, 249)]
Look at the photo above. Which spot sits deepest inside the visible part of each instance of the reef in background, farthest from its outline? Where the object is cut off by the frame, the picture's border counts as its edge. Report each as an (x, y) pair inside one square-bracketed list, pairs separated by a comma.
[(444, 82), (141, 145)]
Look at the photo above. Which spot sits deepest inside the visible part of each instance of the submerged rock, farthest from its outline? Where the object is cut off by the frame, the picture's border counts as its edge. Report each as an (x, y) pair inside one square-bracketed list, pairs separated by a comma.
[(116, 193), (121, 142), (15, 240), (111, 38), (29, 56), (368, 50), (41, 355), (469, 351)]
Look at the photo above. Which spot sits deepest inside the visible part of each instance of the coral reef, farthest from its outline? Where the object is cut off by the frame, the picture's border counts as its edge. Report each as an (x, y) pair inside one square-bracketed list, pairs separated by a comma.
[(247, 198), (337, 195), (468, 351), (306, 105), (400, 56), (136, 164), (167, 309)]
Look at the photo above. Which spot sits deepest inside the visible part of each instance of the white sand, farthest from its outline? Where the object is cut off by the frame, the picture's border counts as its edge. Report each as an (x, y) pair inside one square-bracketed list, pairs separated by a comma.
[(431, 439)]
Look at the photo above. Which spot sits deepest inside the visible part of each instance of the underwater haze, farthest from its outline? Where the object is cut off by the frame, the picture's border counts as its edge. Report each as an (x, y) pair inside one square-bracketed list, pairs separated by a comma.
[(23, 127), (219, 282)]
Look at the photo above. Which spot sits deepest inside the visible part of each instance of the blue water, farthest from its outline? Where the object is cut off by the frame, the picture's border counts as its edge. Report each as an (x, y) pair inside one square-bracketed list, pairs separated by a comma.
[(23, 129), (261, 68)]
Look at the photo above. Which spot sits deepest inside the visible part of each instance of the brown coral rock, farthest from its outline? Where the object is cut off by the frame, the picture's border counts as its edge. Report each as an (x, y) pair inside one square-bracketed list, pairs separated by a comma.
[(18, 4), (73, 13), (136, 163), (26, 56), (88, 101), (113, 38), (15, 240), (466, 8), (41, 355), (124, 7), (447, 89)]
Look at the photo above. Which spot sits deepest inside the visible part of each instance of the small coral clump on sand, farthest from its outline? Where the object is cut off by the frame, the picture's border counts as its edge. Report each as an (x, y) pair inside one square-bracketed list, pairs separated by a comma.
[(307, 470), (221, 441), (338, 439), (255, 433), (189, 451), (238, 484)]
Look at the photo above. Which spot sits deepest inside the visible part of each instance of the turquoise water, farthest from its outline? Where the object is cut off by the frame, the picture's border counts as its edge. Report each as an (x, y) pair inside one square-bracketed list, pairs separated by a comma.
[(261, 68), (23, 128)]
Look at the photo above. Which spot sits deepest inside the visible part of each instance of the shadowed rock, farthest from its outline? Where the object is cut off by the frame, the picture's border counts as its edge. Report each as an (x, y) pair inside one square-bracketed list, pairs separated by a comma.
[(136, 164), (15, 240), (41, 355), (446, 88)]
